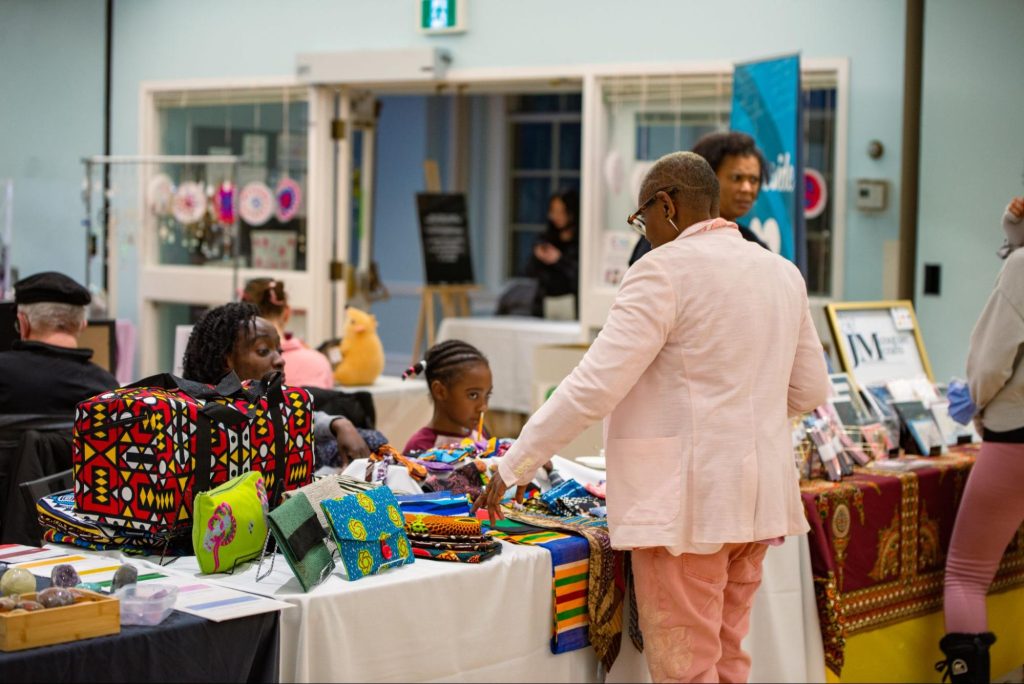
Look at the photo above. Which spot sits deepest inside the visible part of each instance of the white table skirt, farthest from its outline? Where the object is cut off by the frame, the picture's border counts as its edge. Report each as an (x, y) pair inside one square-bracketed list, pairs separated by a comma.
[(402, 406), (424, 622), (509, 343)]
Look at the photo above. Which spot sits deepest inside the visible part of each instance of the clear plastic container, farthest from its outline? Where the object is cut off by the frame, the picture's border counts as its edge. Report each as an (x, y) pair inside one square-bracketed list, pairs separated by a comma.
[(146, 604)]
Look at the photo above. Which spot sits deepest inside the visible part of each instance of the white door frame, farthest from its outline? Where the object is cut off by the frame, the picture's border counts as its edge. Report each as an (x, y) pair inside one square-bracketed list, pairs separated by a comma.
[(211, 285)]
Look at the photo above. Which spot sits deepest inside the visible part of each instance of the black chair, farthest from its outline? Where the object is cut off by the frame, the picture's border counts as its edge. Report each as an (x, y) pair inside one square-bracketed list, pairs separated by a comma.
[(38, 455), (34, 490)]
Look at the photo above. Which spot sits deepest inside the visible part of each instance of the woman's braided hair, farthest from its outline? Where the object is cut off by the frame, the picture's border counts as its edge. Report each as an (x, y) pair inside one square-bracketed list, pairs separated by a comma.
[(213, 339), (446, 361)]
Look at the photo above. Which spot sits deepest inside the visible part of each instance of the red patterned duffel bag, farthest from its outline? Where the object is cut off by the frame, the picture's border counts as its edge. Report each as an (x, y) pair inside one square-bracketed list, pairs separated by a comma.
[(141, 453)]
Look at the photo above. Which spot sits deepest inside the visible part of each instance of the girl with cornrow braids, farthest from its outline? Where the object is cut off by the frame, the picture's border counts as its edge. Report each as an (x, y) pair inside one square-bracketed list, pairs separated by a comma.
[(459, 380)]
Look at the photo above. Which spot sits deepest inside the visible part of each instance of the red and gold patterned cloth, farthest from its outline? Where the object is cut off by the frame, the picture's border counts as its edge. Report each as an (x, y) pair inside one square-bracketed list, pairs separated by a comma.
[(878, 546)]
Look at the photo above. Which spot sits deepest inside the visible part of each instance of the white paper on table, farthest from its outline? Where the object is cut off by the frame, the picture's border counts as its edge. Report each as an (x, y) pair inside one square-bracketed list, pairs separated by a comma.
[(89, 568), (18, 554), (218, 603)]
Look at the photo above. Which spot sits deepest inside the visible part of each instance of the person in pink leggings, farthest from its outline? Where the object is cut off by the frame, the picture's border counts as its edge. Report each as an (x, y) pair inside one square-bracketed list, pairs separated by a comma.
[(992, 508)]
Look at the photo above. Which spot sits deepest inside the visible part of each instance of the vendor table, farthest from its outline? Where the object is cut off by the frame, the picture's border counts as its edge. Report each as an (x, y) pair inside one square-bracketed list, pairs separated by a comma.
[(402, 406), (509, 342), (426, 622), (183, 648), (878, 547)]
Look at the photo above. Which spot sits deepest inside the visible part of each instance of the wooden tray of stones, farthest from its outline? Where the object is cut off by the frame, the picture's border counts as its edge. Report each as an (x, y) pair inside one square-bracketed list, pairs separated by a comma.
[(91, 615)]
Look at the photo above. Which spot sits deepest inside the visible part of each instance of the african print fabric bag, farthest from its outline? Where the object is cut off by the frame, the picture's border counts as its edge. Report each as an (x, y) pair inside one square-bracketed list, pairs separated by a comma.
[(142, 452), (369, 531)]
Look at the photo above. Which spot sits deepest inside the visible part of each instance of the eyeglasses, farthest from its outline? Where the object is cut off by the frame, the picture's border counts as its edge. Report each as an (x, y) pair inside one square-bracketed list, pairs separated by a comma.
[(636, 219)]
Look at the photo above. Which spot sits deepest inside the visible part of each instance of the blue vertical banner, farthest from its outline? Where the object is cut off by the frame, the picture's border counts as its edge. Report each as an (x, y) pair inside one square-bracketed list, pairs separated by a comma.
[(766, 104)]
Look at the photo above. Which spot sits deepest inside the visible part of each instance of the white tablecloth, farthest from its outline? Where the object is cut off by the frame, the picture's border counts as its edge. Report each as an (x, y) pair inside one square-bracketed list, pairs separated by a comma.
[(508, 342), (402, 406), (426, 622)]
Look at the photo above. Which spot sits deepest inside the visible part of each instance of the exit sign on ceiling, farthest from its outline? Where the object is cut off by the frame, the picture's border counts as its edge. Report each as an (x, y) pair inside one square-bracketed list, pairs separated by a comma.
[(442, 16)]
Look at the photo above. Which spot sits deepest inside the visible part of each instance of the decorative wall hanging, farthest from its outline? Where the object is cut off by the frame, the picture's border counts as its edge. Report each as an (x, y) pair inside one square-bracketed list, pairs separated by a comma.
[(189, 202), (160, 194), (224, 203), (289, 196), (256, 204)]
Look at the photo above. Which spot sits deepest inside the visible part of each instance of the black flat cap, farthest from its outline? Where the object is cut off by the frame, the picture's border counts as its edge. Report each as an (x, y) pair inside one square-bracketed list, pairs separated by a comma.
[(50, 286)]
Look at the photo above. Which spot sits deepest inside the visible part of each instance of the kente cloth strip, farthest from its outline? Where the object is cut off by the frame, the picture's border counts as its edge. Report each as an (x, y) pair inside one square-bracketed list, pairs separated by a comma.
[(570, 563), (878, 545), (604, 594)]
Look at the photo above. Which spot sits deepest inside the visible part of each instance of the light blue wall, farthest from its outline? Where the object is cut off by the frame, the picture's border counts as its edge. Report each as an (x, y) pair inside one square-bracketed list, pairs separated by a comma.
[(51, 114), (972, 158), (159, 40), (402, 145)]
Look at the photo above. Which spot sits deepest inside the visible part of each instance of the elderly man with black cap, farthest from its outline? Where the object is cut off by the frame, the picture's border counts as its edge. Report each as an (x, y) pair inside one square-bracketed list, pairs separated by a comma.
[(46, 373)]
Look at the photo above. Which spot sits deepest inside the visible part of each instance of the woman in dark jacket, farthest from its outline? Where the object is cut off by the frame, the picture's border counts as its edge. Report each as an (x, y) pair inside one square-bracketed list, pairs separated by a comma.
[(556, 255)]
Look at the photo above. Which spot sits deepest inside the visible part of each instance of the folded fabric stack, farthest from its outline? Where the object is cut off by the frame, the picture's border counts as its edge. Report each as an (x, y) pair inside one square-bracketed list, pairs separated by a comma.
[(570, 499), (62, 524), (458, 539), (434, 503)]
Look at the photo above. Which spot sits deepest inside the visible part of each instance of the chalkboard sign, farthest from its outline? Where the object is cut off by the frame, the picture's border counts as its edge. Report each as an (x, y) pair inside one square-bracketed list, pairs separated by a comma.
[(445, 235)]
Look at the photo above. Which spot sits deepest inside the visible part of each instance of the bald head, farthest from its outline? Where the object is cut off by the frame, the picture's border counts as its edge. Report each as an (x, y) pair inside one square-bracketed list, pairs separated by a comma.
[(695, 182)]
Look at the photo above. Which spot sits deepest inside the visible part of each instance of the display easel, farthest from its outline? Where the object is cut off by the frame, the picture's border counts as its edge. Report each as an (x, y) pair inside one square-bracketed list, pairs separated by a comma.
[(454, 302)]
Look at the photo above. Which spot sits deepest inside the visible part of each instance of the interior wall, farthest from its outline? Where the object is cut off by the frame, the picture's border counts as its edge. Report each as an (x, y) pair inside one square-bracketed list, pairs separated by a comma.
[(972, 161), (51, 112), (160, 40)]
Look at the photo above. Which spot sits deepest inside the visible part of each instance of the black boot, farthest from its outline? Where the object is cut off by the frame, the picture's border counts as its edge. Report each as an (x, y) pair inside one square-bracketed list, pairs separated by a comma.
[(966, 657)]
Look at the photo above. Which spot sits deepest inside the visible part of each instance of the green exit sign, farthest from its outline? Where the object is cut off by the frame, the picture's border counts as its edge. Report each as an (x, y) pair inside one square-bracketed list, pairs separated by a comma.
[(442, 16)]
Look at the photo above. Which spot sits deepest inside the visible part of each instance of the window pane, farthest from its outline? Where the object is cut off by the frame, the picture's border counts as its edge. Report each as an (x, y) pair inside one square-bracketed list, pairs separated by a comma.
[(569, 135), (270, 139), (522, 250), (531, 146), (543, 103), (530, 200), (661, 133), (819, 155)]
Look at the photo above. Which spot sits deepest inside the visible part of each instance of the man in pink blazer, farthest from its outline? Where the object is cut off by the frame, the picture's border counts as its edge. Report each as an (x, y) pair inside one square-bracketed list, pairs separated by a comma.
[(707, 351)]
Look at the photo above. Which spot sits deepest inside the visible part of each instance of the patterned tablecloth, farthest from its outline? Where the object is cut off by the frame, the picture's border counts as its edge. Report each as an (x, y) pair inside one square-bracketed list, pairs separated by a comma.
[(878, 546)]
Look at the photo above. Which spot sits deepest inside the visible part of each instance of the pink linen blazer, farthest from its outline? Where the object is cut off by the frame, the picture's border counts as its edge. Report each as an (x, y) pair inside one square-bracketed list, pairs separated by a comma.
[(706, 352)]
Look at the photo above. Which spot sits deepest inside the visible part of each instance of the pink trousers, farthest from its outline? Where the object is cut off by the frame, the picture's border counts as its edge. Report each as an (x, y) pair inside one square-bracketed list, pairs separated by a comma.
[(695, 610), (990, 513)]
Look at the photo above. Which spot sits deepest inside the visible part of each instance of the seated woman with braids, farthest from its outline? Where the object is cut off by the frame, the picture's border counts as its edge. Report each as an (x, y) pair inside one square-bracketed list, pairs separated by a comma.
[(234, 337)]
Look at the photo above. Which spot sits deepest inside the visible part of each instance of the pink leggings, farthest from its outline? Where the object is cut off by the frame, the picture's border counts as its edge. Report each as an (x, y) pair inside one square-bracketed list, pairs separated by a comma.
[(990, 513)]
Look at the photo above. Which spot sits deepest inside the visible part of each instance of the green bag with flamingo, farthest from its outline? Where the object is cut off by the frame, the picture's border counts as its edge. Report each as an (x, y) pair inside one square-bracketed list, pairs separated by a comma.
[(230, 525)]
